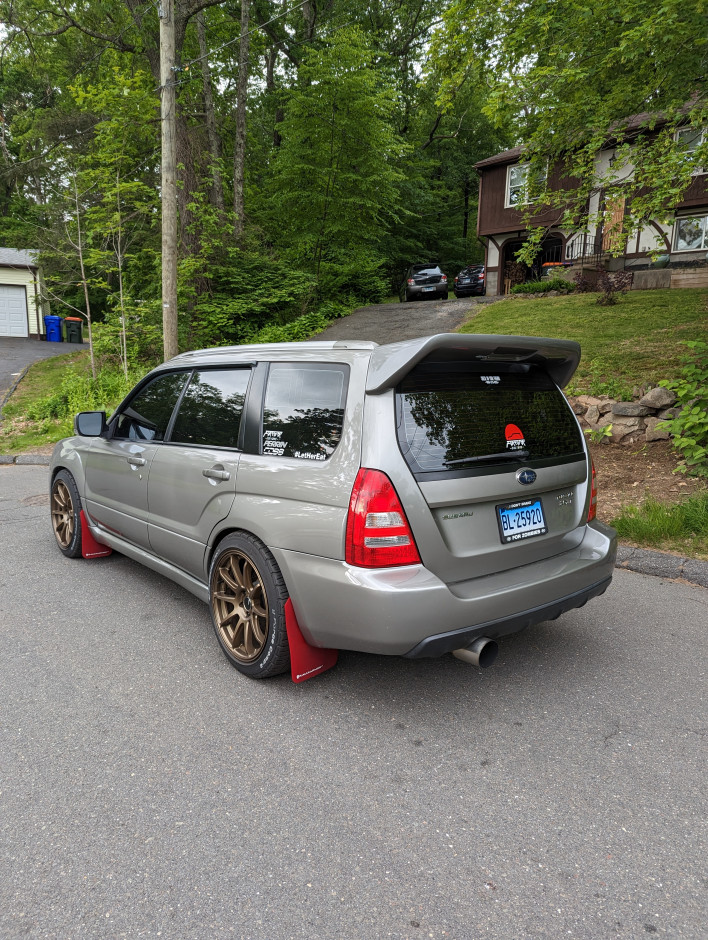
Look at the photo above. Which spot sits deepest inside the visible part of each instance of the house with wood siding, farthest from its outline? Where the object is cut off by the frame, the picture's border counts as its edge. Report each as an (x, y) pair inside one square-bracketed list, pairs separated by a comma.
[(502, 227), (21, 306)]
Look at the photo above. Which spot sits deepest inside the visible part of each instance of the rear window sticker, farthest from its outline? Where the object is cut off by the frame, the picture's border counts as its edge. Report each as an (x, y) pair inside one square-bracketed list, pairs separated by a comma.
[(514, 437)]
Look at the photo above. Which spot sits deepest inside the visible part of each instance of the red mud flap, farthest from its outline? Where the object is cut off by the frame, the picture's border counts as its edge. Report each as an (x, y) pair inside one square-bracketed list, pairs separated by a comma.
[(90, 548), (305, 661)]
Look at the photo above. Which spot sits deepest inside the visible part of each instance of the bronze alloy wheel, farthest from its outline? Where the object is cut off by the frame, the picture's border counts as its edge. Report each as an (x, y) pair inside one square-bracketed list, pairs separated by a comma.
[(63, 514), (239, 606)]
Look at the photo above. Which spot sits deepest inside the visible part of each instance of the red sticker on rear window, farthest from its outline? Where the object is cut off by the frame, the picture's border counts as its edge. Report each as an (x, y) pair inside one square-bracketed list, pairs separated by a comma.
[(514, 437)]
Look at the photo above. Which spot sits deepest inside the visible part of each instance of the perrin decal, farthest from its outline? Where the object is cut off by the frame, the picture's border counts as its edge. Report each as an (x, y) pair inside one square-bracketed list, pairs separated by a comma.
[(514, 437)]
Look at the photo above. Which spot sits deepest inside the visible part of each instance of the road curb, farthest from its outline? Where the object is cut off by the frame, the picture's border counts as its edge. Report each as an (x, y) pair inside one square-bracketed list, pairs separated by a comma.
[(641, 560), (663, 564)]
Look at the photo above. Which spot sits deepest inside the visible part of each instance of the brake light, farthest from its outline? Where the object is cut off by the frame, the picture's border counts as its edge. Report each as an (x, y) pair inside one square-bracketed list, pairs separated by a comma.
[(592, 511), (411, 280), (378, 534), (481, 276), (444, 277)]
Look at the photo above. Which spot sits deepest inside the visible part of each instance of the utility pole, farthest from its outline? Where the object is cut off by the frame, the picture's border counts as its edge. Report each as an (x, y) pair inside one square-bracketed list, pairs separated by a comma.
[(169, 177)]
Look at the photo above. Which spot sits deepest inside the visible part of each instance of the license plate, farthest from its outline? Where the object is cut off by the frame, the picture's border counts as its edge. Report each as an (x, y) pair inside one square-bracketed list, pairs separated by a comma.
[(521, 520), (428, 288)]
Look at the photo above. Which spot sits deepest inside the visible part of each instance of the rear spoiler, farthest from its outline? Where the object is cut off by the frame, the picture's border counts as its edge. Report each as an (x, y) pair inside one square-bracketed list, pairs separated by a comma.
[(390, 363)]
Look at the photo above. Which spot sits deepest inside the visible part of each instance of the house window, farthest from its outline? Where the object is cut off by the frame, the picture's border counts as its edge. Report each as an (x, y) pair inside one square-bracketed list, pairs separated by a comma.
[(691, 234), (517, 184), (690, 139)]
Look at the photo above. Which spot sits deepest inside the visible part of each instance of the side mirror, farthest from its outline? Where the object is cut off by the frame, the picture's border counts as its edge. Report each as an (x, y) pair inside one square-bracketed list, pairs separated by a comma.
[(90, 423)]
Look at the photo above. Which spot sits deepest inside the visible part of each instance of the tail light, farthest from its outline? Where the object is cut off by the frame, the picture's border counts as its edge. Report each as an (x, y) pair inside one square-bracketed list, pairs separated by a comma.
[(378, 534), (481, 276), (411, 280), (444, 277), (455, 280), (592, 511)]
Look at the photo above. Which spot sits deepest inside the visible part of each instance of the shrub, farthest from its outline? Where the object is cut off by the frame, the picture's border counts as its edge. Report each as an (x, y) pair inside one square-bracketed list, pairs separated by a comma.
[(82, 393), (302, 328), (611, 285), (543, 287), (689, 429)]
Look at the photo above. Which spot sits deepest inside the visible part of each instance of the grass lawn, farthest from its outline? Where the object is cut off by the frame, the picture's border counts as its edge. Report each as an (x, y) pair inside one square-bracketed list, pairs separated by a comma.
[(681, 527), (636, 342)]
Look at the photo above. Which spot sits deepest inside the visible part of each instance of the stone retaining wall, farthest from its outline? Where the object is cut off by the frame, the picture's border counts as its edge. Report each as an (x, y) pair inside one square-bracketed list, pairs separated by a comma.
[(631, 421)]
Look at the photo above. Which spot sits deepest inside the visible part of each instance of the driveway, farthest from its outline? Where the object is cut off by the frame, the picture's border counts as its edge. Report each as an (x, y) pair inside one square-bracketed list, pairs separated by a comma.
[(16, 354), (147, 789), (390, 323)]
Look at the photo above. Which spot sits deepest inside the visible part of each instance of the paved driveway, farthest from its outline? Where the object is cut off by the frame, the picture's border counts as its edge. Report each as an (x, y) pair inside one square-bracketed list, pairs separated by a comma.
[(147, 789), (16, 354), (390, 323)]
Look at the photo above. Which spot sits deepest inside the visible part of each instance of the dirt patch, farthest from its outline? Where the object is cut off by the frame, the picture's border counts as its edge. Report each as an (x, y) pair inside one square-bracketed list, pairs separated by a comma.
[(629, 473)]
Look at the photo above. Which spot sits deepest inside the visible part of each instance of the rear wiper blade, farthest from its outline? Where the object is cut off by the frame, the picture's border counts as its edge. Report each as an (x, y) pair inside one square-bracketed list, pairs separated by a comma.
[(505, 455)]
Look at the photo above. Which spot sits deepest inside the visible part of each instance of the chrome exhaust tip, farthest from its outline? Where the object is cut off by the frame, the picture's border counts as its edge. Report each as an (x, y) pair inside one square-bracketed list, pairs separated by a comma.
[(481, 653)]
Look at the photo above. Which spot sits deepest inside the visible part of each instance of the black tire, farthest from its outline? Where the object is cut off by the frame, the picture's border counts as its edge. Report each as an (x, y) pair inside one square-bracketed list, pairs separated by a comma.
[(65, 508), (247, 597)]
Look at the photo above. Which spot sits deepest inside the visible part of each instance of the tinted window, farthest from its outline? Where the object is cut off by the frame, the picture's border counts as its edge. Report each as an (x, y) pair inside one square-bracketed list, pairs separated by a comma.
[(420, 269), (210, 412), (146, 416), (304, 410), (448, 415)]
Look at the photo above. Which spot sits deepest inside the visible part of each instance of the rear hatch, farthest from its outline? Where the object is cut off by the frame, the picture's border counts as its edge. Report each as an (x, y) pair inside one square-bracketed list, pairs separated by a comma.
[(495, 450), (430, 275)]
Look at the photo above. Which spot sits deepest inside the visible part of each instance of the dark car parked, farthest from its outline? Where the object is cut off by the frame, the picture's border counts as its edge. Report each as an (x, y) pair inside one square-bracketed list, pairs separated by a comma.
[(423, 281), (469, 281)]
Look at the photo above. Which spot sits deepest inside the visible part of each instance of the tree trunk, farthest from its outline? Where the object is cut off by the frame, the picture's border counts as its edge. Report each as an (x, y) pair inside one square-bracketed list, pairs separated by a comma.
[(210, 114), (240, 142)]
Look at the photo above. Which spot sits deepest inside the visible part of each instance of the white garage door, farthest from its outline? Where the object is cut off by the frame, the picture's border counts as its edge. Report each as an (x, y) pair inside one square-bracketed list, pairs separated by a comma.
[(13, 311)]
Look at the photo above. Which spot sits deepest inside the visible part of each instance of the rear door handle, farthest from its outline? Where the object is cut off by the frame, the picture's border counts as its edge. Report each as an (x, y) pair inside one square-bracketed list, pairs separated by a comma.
[(136, 461), (216, 474)]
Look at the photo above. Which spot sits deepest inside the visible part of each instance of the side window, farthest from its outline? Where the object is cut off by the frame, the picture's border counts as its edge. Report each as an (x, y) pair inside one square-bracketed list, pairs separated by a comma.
[(146, 416), (304, 409), (210, 412)]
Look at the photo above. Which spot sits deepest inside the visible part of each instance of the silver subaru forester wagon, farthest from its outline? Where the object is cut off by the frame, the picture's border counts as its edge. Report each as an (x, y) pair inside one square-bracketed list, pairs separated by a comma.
[(413, 499)]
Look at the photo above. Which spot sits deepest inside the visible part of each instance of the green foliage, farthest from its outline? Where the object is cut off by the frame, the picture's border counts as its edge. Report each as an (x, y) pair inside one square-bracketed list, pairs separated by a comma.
[(680, 526), (544, 287), (335, 173), (598, 435), (79, 392), (689, 429), (302, 328)]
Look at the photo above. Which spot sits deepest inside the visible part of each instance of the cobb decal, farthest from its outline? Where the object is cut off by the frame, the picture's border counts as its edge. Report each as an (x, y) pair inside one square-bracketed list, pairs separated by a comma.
[(514, 437)]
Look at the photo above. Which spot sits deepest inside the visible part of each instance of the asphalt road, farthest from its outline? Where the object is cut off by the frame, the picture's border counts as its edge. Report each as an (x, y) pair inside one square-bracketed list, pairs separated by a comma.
[(147, 789)]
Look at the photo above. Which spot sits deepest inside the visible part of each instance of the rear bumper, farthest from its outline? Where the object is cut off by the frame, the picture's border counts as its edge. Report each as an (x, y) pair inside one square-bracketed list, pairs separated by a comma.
[(469, 291), (418, 293), (409, 611), (445, 642)]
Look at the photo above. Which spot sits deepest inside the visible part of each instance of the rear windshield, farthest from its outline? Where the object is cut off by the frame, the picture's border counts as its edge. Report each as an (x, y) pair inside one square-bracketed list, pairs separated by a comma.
[(447, 414)]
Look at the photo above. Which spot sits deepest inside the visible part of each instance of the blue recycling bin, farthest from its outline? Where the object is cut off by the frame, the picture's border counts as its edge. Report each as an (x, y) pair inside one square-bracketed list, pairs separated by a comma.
[(53, 328)]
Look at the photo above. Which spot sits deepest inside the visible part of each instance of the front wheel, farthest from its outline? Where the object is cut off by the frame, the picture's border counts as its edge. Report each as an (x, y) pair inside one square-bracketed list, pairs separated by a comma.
[(247, 597), (65, 507)]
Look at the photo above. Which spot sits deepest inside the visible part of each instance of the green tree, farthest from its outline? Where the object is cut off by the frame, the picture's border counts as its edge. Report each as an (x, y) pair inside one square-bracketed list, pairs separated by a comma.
[(336, 173)]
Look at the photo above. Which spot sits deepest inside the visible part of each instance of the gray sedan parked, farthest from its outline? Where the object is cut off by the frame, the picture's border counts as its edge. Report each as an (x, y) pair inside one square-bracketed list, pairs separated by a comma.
[(423, 282), (413, 499)]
